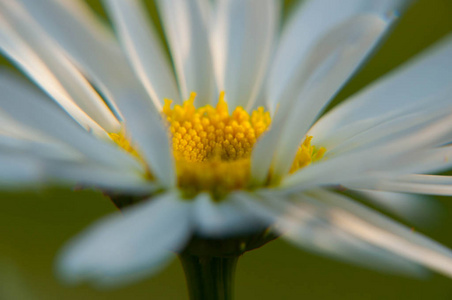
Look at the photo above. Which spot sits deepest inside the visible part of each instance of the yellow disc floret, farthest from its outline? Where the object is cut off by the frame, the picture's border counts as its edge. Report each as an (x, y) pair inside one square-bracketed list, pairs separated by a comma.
[(214, 176), (122, 141), (306, 154), (212, 146), (200, 134)]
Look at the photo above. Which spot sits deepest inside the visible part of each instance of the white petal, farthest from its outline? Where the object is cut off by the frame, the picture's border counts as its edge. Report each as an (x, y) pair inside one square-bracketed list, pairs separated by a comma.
[(432, 161), (415, 183), (54, 162), (416, 209), (88, 174), (305, 225), (429, 160), (122, 248), (16, 138), (224, 219), (29, 165), (330, 63), (88, 42), (32, 109), (409, 86), (148, 130), (79, 32), (384, 233), (144, 50), (26, 59), (391, 127), (54, 151), (18, 172), (242, 41), (359, 164), (62, 70), (185, 25), (59, 18), (263, 150), (310, 22), (423, 161), (335, 59)]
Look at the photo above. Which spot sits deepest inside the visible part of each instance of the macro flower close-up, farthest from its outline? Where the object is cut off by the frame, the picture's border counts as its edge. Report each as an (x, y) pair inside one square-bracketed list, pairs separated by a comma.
[(212, 127)]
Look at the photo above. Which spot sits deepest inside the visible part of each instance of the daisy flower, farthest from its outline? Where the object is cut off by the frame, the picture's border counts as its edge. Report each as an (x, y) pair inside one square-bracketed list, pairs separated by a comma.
[(222, 145)]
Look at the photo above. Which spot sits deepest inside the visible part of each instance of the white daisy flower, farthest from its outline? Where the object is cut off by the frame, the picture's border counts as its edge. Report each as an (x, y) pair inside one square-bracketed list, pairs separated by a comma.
[(249, 156)]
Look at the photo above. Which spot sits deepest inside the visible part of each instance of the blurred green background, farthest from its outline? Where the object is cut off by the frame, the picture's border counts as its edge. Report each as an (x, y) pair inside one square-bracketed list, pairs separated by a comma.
[(34, 225)]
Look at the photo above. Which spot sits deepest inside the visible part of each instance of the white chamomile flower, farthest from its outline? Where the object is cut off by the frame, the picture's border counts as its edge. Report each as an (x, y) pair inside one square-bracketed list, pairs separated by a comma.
[(221, 146)]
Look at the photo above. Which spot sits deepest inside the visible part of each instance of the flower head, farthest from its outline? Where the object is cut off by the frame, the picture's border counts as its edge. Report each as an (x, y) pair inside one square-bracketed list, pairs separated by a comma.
[(232, 142)]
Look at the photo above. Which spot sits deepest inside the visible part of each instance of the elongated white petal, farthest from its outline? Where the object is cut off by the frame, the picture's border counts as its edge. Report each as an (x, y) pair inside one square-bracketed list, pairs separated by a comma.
[(306, 226), (58, 163), (359, 164), (330, 63), (25, 167), (224, 219), (30, 159), (88, 174), (382, 232), (19, 172), (409, 86), (432, 160), (86, 41), (391, 127), (263, 151), (63, 71), (309, 24), (89, 43), (59, 18), (48, 150), (32, 109), (185, 24), (417, 209), (27, 60), (426, 179), (144, 50), (424, 161), (242, 43), (333, 61), (122, 248), (14, 137), (417, 188), (415, 183), (148, 131)]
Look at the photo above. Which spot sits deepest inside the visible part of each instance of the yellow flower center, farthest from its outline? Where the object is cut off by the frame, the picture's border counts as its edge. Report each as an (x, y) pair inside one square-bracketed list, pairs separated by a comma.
[(211, 133), (212, 147)]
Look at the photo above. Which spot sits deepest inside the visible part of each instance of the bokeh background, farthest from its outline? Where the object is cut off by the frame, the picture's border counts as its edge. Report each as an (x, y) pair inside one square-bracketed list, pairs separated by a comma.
[(34, 225)]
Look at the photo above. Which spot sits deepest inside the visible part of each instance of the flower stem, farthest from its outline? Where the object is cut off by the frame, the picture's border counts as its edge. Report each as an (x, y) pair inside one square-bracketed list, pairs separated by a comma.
[(208, 277)]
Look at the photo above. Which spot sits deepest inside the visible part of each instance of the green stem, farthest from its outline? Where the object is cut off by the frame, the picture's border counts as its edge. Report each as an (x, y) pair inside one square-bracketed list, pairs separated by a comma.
[(209, 278)]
